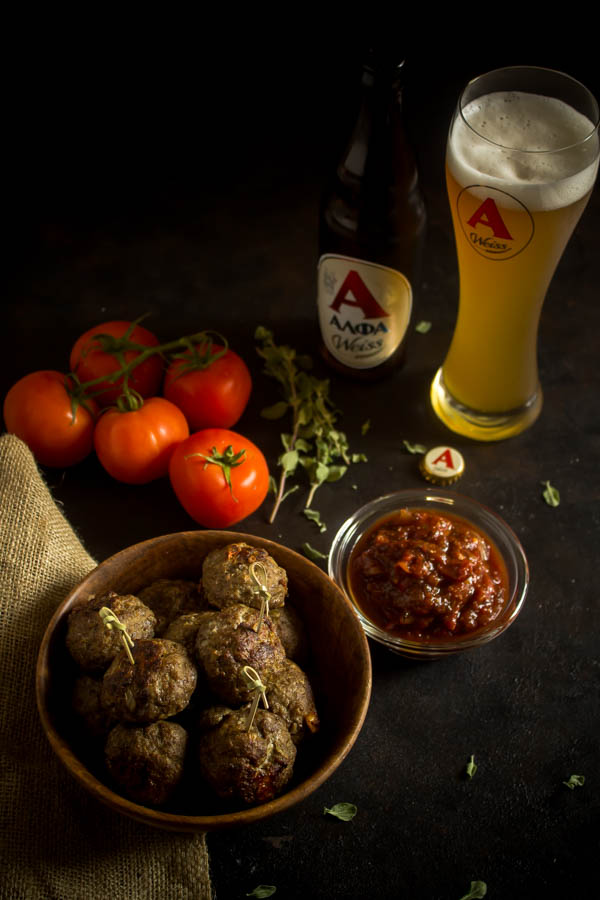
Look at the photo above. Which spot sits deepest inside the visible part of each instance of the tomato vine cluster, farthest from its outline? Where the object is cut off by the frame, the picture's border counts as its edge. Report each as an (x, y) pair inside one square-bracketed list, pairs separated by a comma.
[(148, 410)]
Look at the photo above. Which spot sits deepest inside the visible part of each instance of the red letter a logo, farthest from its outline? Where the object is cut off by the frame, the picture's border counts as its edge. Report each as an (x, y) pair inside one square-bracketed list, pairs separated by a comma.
[(446, 458), (488, 215), (354, 292)]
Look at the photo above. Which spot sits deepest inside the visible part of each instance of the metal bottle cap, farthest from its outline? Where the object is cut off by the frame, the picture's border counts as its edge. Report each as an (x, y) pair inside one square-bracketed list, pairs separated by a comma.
[(442, 465)]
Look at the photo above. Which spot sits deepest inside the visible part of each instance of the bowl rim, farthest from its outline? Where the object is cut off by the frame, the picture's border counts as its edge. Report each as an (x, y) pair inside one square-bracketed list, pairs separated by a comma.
[(173, 821), (487, 520)]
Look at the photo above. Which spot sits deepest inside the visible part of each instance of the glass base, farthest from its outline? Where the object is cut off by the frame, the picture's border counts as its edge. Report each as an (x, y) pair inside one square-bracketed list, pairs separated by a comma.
[(478, 425)]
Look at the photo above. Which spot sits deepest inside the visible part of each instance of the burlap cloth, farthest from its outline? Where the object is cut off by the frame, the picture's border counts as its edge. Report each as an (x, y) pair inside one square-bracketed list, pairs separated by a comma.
[(57, 843)]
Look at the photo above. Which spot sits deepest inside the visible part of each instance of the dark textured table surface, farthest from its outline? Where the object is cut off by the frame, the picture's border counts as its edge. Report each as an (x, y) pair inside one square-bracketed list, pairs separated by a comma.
[(129, 194)]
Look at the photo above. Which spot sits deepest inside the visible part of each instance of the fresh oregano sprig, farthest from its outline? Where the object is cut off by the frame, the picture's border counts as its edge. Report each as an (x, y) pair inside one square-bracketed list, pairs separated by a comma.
[(314, 444)]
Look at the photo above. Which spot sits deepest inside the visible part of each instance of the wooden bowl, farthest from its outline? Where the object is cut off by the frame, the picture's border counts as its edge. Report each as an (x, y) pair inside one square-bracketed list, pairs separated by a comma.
[(340, 671)]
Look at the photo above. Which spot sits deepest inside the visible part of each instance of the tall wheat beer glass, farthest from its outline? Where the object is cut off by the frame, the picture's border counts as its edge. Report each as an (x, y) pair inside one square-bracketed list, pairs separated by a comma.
[(521, 162)]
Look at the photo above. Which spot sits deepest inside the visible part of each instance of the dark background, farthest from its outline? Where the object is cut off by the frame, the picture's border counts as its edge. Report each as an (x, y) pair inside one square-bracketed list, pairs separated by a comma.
[(178, 173)]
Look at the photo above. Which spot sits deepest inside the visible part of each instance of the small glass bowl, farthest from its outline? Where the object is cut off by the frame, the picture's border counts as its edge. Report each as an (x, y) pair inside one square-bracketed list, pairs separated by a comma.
[(434, 499)]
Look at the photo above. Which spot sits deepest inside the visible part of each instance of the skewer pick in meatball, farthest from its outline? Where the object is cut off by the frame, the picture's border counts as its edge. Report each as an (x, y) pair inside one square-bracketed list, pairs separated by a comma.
[(91, 644), (227, 641), (157, 686), (226, 577)]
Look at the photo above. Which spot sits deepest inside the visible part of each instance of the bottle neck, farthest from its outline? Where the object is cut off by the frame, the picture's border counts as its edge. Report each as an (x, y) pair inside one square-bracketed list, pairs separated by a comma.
[(379, 128)]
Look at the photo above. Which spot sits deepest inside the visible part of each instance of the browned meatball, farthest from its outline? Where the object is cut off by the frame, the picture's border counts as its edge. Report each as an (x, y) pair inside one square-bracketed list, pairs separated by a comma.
[(292, 634), (227, 580), (94, 646), (253, 766), (147, 761), (184, 630), (157, 686), (169, 598), (227, 642), (86, 703), (290, 696)]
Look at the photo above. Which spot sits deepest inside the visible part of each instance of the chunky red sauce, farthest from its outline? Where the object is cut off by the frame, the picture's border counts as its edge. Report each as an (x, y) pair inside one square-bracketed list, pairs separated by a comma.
[(425, 576)]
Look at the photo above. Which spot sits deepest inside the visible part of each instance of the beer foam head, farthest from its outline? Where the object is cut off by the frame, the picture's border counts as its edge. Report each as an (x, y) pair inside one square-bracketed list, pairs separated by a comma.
[(536, 148)]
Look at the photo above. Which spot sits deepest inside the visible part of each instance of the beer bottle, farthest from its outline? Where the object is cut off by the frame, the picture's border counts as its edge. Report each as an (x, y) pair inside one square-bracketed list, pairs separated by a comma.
[(371, 233)]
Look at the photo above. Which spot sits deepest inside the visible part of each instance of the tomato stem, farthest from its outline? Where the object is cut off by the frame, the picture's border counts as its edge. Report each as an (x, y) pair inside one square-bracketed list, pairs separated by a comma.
[(130, 400), (77, 396), (118, 347), (200, 355), (227, 460)]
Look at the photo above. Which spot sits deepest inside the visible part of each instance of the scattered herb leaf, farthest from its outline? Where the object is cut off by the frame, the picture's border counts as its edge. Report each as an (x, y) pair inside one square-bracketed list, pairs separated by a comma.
[(313, 554), (575, 781), (414, 448), (343, 811), (314, 443), (423, 326), (477, 891), (365, 427), (550, 494), (263, 890), (315, 517), (471, 767)]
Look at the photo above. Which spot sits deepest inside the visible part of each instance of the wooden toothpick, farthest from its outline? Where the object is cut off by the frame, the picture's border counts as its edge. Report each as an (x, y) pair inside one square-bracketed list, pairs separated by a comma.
[(257, 569), (110, 620), (253, 682)]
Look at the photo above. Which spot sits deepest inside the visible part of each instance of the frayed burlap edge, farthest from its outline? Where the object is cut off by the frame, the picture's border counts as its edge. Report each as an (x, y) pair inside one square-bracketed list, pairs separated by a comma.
[(57, 843)]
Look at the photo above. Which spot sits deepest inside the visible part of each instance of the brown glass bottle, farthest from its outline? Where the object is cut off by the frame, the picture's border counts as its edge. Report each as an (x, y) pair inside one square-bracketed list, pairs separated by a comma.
[(372, 213)]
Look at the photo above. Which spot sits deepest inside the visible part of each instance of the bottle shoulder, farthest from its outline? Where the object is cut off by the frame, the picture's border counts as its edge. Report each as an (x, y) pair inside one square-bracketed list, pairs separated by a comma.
[(388, 230)]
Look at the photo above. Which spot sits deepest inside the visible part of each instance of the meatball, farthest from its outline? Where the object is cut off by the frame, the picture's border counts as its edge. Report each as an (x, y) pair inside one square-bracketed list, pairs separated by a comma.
[(184, 630), (147, 761), (290, 629), (94, 646), (253, 766), (86, 703), (157, 686), (169, 598), (227, 642), (227, 580), (290, 696)]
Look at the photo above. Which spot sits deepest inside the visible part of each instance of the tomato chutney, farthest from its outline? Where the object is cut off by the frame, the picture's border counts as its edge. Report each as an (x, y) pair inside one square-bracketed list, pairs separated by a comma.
[(421, 576)]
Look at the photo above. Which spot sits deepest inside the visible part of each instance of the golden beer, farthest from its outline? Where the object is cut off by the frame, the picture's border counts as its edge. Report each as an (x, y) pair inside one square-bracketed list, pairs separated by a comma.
[(513, 212)]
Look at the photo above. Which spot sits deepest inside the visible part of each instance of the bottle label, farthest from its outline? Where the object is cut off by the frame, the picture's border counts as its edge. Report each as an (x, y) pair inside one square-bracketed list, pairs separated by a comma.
[(364, 310)]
